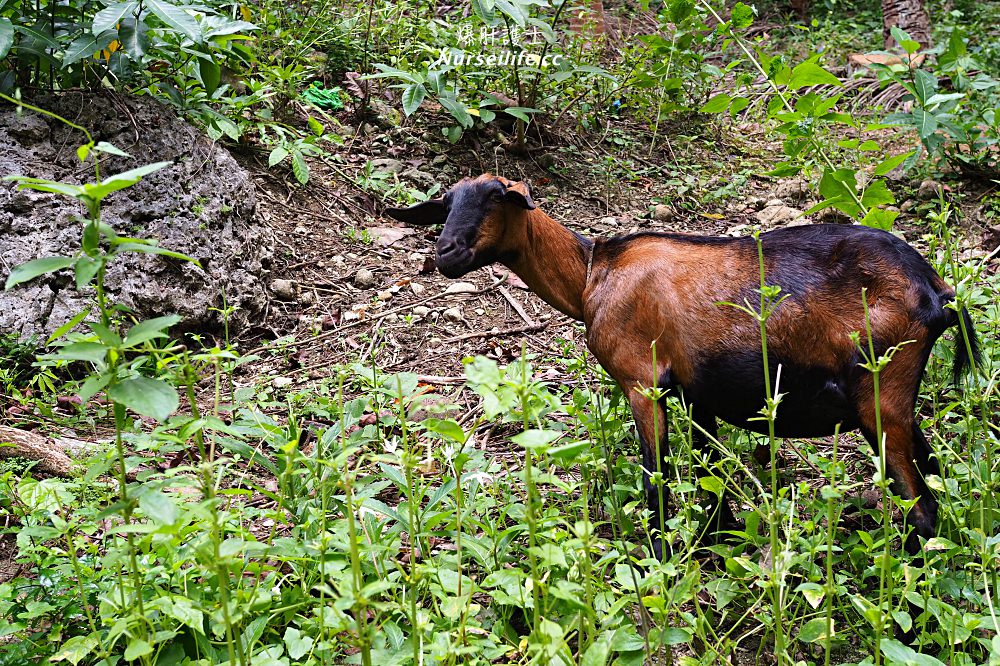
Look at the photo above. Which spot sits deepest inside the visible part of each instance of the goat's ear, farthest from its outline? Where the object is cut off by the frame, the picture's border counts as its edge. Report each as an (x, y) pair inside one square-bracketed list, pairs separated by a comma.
[(426, 213), (520, 195)]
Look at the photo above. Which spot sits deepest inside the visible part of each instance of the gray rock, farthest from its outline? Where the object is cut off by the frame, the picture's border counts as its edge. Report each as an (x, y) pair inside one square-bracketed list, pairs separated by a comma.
[(439, 160), (202, 205), (286, 290), (928, 190), (460, 288), (421, 179), (281, 382), (417, 288), (388, 164), (794, 189), (421, 310), (775, 215), (452, 314), (663, 213), (608, 221), (364, 279)]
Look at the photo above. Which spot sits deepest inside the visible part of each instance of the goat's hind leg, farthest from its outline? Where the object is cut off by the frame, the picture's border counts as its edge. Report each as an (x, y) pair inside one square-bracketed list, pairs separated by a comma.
[(720, 514), (650, 422)]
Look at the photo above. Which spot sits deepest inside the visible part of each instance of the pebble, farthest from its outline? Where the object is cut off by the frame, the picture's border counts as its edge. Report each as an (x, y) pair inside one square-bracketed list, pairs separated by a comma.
[(774, 202), (281, 382), (307, 298), (480, 311), (608, 221), (417, 288), (453, 314), (421, 311), (439, 160), (284, 289), (434, 342), (338, 260), (300, 230), (364, 278), (774, 215), (663, 212), (460, 288), (390, 318), (384, 295), (928, 190)]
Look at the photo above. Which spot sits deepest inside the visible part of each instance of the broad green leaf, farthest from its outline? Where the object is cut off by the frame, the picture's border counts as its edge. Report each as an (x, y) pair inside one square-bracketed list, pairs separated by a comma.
[(92, 352), (925, 123), (93, 384), (413, 95), (904, 40), (109, 17), (74, 649), (512, 10), (880, 218), (742, 16), (738, 105), (32, 269), (87, 45), (816, 629), (175, 17), (297, 644), (110, 149), (134, 37), (903, 655), (150, 330), (535, 439), (137, 648), (158, 506), (811, 74), (925, 85), (484, 10), (717, 104), (210, 74), (568, 452), (6, 36), (891, 163), (520, 112), (148, 397), (680, 9), (877, 194), (299, 167), (43, 185), (68, 326), (458, 111), (278, 153)]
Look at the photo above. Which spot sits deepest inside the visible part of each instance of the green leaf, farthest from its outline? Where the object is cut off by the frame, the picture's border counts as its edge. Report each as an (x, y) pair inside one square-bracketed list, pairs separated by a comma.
[(277, 154), (68, 326), (742, 16), (903, 655), (925, 123), (520, 112), (458, 111), (87, 45), (535, 439), (143, 248), (133, 36), (413, 95), (158, 506), (515, 12), (717, 104), (210, 74), (137, 648), (891, 163), (6, 36), (599, 651), (877, 194), (34, 268), (44, 185), (150, 330), (109, 17), (484, 10), (880, 218), (571, 451), (680, 9), (925, 85), (109, 149), (904, 40), (297, 644), (76, 648), (175, 17), (299, 167), (145, 396), (811, 74), (315, 126), (816, 630)]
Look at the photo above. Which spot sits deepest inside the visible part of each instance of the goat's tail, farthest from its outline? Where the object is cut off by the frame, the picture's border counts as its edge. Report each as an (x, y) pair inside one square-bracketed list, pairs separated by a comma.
[(966, 341)]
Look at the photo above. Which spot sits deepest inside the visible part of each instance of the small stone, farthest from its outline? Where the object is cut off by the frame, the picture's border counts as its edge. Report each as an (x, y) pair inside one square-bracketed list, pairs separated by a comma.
[(421, 179), (991, 239), (907, 206), (775, 215), (794, 190), (434, 342), (480, 311), (284, 289), (453, 314), (495, 330), (388, 165), (338, 260), (428, 137), (663, 213), (384, 295), (608, 221), (421, 311), (737, 230), (417, 288), (928, 190), (281, 382), (301, 231), (546, 160), (773, 202), (364, 278), (307, 298), (439, 160), (460, 288), (390, 318)]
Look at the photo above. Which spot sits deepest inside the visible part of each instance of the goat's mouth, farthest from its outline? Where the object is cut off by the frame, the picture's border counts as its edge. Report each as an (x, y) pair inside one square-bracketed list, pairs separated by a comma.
[(456, 263)]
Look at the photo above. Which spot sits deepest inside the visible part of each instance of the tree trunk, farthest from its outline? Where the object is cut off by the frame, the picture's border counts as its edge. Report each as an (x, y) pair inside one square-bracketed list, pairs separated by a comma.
[(910, 16)]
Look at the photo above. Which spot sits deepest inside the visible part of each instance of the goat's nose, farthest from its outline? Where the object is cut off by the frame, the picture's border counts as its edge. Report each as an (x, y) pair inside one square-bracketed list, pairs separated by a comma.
[(446, 246)]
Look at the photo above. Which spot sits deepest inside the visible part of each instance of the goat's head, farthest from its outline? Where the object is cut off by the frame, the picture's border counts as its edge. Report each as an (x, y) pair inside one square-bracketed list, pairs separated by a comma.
[(476, 213)]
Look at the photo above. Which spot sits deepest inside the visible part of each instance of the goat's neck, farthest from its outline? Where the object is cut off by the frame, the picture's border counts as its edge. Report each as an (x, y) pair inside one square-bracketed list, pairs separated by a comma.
[(552, 261)]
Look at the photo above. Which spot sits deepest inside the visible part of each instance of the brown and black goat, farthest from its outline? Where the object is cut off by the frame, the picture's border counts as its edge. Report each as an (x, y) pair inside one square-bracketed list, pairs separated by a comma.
[(667, 290)]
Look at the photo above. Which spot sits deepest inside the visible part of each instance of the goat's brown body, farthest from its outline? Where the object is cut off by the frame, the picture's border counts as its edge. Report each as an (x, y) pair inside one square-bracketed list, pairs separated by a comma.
[(665, 295)]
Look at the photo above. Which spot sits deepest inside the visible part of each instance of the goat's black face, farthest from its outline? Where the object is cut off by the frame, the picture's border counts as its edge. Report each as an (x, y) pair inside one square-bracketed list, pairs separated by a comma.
[(474, 217)]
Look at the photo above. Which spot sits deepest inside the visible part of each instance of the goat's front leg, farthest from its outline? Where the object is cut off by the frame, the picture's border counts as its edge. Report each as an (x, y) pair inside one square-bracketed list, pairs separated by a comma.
[(651, 423)]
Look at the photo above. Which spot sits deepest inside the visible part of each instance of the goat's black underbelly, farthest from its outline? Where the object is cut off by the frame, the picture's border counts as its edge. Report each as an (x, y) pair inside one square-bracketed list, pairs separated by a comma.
[(814, 400)]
